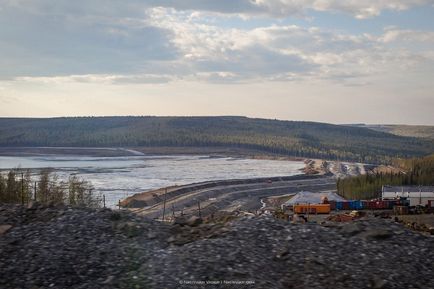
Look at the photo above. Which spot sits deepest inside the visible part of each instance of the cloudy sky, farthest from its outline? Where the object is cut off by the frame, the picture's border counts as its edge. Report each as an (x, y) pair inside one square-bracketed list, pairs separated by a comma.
[(339, 61)]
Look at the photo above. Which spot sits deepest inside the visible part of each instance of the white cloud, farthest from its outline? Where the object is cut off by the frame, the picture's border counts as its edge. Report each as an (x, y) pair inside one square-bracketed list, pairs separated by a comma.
[(97, 79), (401, 35), (280, 8), (177, 52), (203, 51), (283, 51), (366, 8)]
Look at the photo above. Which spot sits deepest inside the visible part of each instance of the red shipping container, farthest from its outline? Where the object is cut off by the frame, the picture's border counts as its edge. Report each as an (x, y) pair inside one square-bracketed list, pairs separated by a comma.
[(332, 205), (378, 205)]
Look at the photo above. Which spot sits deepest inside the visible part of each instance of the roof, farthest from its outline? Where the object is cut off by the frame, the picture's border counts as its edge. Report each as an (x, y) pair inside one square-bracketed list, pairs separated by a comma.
[(312, 198), (405, 189)]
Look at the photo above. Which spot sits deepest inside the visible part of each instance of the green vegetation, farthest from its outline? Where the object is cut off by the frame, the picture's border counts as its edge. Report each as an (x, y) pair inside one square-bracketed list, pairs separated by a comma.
[(17, 187), (421, 131), (298, 139), (416, 171)]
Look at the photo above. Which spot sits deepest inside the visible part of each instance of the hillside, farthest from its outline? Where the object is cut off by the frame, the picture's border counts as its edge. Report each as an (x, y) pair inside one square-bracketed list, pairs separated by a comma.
[(421, 131), (414, 171), (300, 139)]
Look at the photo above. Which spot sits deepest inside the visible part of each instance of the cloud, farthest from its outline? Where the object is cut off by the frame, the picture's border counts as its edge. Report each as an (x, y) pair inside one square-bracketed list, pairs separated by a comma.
[(272, 8), (97, 78), (407, 35), (138, 42), (284, 8), (283, 51), (60, 41), (367, 8)]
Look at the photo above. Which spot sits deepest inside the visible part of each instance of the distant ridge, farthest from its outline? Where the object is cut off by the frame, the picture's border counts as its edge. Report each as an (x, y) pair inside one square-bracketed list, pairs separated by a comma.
[(291, 138), (422, 131)]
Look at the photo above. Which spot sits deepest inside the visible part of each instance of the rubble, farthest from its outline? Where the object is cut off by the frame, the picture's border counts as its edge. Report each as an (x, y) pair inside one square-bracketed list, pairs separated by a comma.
[(63, 247)]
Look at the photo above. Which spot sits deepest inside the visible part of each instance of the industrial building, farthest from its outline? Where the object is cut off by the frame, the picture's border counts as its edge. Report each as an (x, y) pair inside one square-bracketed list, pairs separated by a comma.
[(417, 195)]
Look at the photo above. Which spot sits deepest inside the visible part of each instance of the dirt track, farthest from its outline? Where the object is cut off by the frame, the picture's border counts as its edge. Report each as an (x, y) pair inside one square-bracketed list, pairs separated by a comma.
[(228, 195)]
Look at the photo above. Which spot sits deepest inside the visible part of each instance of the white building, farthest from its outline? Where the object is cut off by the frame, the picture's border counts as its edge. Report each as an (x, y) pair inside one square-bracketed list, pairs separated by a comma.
[(417, 195)]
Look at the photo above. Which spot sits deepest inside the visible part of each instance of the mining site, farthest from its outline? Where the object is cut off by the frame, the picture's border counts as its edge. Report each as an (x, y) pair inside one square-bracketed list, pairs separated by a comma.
[(228, 195), (64, 247)]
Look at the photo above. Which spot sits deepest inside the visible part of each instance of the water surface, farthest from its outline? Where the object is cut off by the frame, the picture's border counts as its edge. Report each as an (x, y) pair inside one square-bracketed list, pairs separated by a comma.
[(119, 177)]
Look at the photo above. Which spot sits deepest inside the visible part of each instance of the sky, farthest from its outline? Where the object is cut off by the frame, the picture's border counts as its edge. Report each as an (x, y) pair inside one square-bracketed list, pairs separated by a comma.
[(336, 61)]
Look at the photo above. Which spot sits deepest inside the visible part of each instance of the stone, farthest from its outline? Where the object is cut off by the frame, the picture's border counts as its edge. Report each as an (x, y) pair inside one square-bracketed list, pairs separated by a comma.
[(152, 235), (378, 283), (194, 221), (351, 229), (181, 221), (378, 234), (4, 229), (32, 205)]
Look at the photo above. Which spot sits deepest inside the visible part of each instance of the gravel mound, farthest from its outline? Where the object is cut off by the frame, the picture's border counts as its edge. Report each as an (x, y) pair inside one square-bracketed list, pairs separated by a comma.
[(78, 248), (75, 248)]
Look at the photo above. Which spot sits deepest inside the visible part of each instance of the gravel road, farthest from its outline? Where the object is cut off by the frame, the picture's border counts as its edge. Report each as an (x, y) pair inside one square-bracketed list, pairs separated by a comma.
[(245, 195)]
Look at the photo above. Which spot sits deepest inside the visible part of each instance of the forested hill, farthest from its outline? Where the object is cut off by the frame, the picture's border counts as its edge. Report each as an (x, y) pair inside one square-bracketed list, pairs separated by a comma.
[(421, 131), (305, 139), (415, 171)]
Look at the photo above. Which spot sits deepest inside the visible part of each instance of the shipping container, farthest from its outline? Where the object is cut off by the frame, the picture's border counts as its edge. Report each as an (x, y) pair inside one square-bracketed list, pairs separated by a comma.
[(356, 205), (312, 209), (400, 210), (333, 205)]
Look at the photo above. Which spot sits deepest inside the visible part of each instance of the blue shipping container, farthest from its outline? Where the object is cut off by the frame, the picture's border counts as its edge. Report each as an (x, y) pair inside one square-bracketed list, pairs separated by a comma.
[(358, 205)]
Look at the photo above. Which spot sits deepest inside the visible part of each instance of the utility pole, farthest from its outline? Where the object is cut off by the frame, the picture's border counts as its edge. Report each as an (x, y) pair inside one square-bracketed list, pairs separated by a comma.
[(164, 202), (173, 212), (34, 196), (22, 188), (198, 205), (103, 200)]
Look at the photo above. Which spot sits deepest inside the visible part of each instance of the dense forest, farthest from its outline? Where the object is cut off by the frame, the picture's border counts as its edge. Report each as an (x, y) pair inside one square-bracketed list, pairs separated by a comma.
[(415, 171), (20, 187), (298, 139)]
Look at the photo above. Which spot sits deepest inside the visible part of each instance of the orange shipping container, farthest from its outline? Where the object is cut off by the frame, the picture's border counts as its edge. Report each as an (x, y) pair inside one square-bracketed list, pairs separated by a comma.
[(312, 209)]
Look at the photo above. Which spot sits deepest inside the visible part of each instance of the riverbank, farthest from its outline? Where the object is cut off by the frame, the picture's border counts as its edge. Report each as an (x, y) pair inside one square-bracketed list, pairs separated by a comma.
[(135, 151)]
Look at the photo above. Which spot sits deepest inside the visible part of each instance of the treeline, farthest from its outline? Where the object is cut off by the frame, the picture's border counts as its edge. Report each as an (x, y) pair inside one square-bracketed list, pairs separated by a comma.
[(290, 138), (17, 186), (416, 171)]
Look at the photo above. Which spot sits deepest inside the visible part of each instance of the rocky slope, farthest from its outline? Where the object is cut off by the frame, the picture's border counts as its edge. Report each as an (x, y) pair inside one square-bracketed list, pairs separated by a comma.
[(76, 248)]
